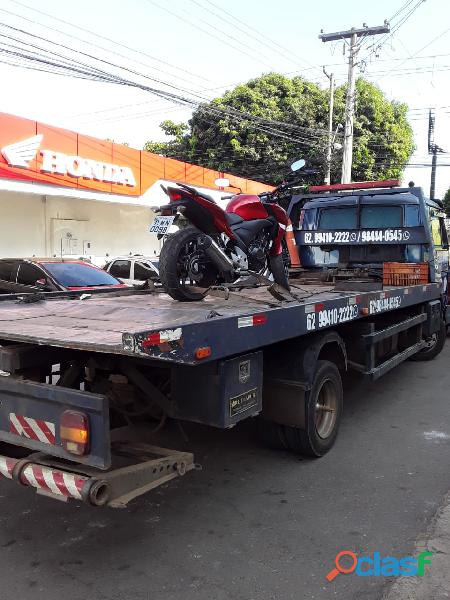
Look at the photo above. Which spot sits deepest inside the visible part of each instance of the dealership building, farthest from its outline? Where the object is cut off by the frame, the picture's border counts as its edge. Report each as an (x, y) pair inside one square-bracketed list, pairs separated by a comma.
[(67, 194)]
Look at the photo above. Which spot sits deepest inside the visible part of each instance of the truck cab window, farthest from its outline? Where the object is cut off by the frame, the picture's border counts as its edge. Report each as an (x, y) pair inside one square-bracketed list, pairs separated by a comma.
[(338, 218), (381, 216), (412, 216)]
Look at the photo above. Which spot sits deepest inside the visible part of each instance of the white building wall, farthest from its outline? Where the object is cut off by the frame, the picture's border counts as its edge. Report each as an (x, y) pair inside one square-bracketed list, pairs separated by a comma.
[(113, 229), (22, 225)]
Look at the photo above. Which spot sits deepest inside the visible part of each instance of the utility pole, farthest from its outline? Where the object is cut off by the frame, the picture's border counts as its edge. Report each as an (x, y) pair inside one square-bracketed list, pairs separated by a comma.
[(356, 36), (434, 150), (330, 128)]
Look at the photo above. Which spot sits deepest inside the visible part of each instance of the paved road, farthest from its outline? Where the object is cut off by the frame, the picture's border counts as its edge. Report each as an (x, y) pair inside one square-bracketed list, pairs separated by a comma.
[(254, 524)]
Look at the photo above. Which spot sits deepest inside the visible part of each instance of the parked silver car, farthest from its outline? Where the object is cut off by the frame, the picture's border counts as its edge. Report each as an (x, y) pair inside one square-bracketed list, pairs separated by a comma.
[(133, 270)]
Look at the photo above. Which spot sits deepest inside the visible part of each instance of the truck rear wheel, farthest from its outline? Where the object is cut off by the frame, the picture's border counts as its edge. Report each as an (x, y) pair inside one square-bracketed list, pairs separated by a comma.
[(323, 411), (433, 346)]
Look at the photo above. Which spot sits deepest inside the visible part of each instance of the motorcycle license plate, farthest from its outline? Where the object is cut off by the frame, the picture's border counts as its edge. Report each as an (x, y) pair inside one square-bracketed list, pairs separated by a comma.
[(161, 225)]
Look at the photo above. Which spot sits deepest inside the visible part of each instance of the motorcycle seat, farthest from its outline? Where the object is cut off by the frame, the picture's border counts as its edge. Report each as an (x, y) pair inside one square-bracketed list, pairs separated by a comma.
[(233, 219), (207, 197)]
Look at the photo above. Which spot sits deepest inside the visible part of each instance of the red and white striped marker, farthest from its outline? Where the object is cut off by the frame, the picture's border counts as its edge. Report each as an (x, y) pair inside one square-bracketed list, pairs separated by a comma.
[(33, 429), (54, 481), (7, 465), (59, 483)]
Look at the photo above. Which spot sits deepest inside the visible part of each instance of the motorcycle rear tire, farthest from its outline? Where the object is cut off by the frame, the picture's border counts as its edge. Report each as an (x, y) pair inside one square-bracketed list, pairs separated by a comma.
[(168, 265), (279, 271)]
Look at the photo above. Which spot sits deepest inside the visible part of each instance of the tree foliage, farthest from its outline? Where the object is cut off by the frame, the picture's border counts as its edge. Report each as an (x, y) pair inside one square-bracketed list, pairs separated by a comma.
[(446, 201), (288, 120)]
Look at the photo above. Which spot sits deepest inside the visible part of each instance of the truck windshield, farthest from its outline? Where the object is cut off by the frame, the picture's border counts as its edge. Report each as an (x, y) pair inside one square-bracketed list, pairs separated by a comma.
[(338, 218), (381, 216), (79, 275)]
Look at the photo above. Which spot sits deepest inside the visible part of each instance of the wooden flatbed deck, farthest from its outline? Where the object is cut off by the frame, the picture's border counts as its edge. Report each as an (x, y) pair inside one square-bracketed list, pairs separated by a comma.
[(98, 322)]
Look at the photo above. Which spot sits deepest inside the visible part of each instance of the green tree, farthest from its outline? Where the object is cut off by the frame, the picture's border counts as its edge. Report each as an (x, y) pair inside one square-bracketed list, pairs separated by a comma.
[(171, 148), (446, 201), (258, 128)]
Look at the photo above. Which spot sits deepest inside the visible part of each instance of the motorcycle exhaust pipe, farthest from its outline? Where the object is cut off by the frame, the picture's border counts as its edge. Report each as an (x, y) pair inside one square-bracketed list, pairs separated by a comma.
[(215, 254)]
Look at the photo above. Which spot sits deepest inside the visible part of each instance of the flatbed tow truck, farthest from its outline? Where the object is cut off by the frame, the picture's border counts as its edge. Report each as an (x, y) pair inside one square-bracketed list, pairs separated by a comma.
[(89, 378)]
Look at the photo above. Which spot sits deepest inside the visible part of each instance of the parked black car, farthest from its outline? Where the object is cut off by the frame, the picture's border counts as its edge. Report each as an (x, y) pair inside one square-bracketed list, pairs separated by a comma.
[(20, 275)]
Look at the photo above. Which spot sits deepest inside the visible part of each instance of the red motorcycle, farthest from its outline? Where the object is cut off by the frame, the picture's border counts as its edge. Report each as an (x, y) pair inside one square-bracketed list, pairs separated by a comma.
[(221, 246)]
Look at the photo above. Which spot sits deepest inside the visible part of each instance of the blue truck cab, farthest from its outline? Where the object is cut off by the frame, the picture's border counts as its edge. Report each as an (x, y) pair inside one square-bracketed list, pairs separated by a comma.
[(337, 227)]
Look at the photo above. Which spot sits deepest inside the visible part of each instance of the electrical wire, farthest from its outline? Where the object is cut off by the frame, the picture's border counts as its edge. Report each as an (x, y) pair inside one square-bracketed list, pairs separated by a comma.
[(80, 70), (195, 25), (99, 36), (380, 43), (264, 39), (201, 98)]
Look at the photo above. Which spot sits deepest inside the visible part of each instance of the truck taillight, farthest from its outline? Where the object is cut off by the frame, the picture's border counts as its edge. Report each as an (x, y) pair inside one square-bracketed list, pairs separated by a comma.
[(74, 432)]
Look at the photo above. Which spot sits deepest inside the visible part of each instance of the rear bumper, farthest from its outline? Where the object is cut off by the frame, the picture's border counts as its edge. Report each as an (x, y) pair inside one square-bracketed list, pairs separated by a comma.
[(138, 468), (54, 482)]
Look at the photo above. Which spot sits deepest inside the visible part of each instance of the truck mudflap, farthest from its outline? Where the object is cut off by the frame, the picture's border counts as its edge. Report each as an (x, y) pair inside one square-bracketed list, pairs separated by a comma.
[(140, 468)]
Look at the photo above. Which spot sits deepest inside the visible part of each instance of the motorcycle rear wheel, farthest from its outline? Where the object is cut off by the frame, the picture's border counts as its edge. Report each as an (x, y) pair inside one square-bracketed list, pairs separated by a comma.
[(279, 271), (183, 267)]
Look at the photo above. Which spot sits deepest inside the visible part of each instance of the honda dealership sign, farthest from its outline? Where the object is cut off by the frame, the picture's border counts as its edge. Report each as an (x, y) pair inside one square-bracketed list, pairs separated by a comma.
[(33, 152), (20, 154)]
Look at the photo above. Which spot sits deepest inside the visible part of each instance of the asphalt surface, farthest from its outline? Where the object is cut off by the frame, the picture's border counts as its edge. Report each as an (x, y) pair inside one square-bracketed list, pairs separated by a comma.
[(255, 523)]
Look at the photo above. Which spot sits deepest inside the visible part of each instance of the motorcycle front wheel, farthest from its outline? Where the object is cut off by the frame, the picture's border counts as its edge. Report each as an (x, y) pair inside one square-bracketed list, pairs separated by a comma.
[(184, 268)]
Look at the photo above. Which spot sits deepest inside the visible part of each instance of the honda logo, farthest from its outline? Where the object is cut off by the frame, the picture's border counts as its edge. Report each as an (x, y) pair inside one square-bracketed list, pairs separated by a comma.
[(22, 153)]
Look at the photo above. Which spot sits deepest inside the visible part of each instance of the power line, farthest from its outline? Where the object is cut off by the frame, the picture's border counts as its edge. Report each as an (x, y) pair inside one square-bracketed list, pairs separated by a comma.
[(89, 71), (401, 9), (265, 38), (423, 48), (97, 35), (205, 8), (209, 33), (377, 47)]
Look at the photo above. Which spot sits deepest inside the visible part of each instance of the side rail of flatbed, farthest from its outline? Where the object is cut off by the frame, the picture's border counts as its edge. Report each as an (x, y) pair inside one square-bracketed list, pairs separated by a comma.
[(220, 335)]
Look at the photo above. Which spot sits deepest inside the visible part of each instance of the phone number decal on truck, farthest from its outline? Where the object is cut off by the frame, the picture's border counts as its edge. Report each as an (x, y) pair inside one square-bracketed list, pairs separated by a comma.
[(363, 236), (383, 304), (331, 316)]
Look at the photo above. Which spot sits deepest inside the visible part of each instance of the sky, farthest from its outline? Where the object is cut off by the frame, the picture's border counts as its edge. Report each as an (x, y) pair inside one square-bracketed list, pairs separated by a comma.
[(204, 47)]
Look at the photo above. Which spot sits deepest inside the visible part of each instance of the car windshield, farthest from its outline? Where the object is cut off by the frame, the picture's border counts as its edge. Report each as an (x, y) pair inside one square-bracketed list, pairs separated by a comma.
[(79, 275)]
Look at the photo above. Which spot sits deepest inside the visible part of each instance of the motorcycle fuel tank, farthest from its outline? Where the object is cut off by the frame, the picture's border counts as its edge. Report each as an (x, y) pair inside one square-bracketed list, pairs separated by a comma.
[(248, 207)]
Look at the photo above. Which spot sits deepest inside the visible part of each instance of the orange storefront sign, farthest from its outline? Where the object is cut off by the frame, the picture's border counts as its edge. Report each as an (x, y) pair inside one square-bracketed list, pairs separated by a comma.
[(32, 151)]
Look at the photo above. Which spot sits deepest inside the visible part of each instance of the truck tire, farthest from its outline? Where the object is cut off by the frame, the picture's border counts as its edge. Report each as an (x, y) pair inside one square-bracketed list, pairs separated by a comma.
[(323, 412), (321, 427), (434, 345)]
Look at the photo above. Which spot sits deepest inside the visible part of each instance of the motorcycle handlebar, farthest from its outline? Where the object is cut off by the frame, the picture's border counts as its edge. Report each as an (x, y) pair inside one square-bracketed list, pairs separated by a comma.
[(272, 196)]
